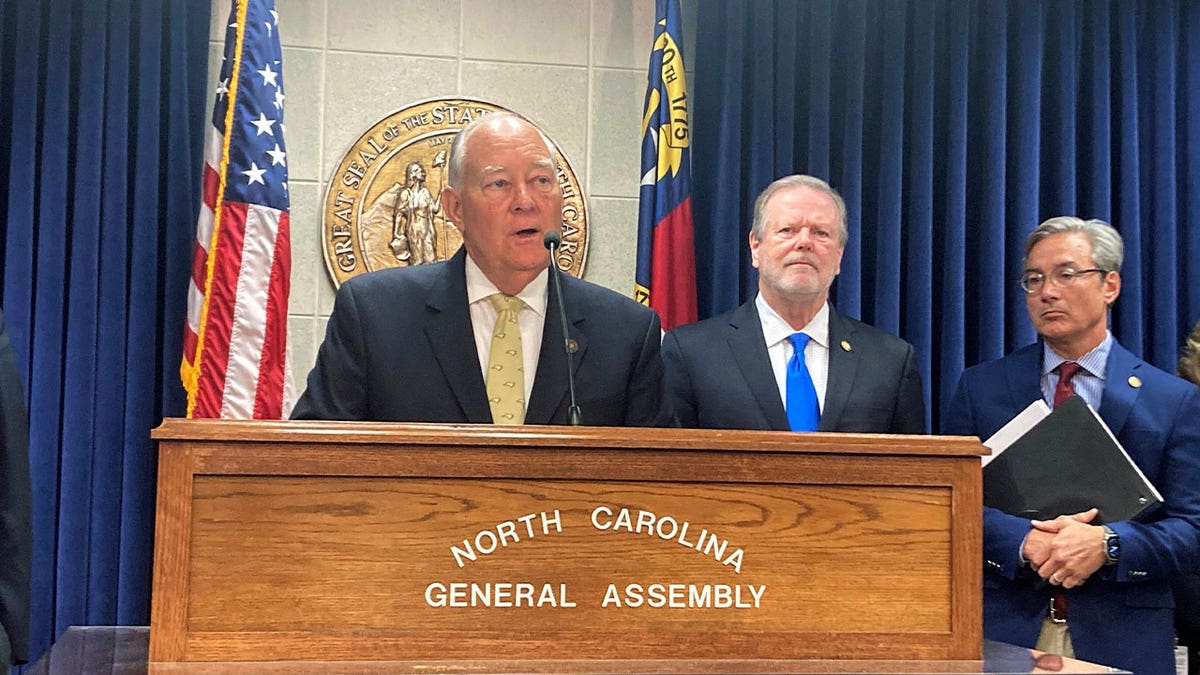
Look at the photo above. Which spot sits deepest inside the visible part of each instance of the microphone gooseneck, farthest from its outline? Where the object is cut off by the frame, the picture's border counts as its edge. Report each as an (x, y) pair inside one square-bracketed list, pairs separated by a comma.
[(552, 240)]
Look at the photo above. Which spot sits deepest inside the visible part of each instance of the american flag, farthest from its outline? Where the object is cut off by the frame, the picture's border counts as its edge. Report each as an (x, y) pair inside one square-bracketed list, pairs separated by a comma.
[(235, 353)]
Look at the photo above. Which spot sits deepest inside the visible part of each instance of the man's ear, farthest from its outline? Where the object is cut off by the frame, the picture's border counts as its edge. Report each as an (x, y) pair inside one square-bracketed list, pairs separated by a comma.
[(452, 206), (754, 243), (1112, 287)]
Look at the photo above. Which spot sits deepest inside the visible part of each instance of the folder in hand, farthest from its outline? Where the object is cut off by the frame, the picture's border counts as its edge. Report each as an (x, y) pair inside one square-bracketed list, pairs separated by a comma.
[(1067, 462)]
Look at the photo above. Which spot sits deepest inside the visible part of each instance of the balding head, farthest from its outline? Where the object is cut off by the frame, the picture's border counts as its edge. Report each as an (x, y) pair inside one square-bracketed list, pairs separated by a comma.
[(499, 122)]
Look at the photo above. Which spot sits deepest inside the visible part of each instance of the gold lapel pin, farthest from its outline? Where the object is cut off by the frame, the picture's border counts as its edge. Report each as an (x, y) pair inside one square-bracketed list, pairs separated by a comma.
[(572, 346), (1134, 381), (846, 346)]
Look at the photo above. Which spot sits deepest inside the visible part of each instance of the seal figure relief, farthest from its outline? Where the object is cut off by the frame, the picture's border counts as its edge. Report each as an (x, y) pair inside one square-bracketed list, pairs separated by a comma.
[(383, 205)]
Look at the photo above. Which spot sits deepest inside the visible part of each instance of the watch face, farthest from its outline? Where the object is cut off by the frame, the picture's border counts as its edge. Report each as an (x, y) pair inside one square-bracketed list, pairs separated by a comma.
[(1112, 546)]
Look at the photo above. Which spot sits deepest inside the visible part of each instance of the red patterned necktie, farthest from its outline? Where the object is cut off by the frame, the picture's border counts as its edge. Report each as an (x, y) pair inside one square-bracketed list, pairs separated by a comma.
[(1067, 370), (1064, 389)]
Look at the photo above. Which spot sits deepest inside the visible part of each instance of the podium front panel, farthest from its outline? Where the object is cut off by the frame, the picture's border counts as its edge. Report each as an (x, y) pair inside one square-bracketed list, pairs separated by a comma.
[(444, 543)]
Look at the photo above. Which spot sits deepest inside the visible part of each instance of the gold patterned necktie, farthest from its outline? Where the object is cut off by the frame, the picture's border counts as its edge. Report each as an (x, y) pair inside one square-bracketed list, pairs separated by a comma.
[(506, 369)]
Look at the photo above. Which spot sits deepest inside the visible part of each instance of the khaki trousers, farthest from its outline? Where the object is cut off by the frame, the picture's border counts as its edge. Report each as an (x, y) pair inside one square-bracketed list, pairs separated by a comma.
[(1055, 638)]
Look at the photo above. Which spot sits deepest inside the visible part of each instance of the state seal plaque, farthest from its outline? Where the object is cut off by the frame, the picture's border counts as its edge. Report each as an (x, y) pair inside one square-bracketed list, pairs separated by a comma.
[(383, 205)]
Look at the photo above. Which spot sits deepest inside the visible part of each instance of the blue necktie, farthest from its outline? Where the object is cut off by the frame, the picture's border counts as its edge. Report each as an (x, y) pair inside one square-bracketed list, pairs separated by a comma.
[(803, 412)]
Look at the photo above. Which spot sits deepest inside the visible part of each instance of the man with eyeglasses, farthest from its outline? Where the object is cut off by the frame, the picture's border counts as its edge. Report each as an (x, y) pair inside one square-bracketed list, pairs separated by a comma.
[(1074, 586)]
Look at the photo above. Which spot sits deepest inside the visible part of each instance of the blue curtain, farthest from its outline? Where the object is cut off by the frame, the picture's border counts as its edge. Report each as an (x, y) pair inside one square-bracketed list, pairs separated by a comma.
[(952, 128), (101, 123)]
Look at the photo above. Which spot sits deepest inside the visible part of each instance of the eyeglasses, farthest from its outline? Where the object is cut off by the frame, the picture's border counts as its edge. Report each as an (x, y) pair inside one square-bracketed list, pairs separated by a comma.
[(1061, 278)]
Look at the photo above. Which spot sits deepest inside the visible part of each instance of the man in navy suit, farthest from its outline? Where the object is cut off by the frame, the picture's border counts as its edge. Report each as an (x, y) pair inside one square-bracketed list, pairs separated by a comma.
[(414, 343), (1096, 591), (732, 371), (16, 543)]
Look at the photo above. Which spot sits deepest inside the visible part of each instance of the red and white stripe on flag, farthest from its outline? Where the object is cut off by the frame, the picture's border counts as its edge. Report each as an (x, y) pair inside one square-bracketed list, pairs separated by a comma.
[(236, 357)]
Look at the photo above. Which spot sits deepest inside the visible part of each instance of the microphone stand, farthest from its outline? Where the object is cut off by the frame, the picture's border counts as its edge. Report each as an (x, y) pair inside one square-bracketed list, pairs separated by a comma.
[(552, 241)]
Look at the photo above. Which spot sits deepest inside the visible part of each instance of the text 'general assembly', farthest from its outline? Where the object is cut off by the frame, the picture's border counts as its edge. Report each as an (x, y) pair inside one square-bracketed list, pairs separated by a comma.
[(653, 593)]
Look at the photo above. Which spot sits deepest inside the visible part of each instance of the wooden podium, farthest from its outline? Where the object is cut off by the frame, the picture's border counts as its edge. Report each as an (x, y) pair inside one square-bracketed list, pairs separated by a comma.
[(294, 541)]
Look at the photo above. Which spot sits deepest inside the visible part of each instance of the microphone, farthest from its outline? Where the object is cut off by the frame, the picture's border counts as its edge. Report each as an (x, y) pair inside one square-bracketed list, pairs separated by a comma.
[(552, 240)]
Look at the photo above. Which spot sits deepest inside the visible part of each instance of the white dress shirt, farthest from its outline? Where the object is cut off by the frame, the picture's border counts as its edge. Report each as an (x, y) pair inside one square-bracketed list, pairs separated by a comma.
[(816, 354), (532, 319)]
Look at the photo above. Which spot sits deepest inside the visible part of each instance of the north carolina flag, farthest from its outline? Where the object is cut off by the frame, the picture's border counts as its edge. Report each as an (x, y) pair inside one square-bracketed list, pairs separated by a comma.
[(235, 352), (666, 257)]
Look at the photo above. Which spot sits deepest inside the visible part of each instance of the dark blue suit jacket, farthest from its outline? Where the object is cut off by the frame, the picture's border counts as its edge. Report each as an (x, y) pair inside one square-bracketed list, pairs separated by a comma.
[(16, 537), (1122, 615), (399, 347), (719, 377)]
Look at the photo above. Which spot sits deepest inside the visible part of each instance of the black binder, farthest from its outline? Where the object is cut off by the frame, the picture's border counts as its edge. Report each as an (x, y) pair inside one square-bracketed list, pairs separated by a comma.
[(1067, 463)]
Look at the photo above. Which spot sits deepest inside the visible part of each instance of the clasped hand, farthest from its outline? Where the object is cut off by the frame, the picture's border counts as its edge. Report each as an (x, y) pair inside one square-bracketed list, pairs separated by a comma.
[(1065, 551)]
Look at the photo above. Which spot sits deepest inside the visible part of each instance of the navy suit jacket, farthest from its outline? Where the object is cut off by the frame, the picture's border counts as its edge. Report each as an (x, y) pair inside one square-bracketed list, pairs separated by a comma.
[(719, 377), (1122, 615), (16, 537), (399, 347)]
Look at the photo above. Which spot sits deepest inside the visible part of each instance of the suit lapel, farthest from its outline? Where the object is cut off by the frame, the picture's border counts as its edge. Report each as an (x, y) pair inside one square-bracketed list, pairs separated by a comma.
[(550, 382), (1023, 375), (1024, 372), (843, 368), (749, 351), (1119, 394), (452, 339)]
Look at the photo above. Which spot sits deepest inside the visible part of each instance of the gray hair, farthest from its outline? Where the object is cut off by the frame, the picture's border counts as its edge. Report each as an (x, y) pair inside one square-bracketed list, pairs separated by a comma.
[(794, 181), (458, 147), (1108, 250)]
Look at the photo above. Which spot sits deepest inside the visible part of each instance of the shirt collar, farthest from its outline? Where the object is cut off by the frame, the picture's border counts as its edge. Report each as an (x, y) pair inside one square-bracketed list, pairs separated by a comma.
[(479, 287), (1094, 362), (776, 330)]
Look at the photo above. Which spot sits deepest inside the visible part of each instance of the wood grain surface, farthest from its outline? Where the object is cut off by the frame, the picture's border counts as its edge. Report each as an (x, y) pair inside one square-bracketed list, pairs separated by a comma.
[(321, 542)]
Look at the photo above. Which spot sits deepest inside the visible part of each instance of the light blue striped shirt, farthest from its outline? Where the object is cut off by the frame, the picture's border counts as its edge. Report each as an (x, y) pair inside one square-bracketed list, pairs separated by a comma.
[(1089, 382)]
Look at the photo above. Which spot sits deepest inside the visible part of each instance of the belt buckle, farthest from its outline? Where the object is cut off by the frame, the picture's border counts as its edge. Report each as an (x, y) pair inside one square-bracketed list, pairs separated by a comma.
[(1054, 617)]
